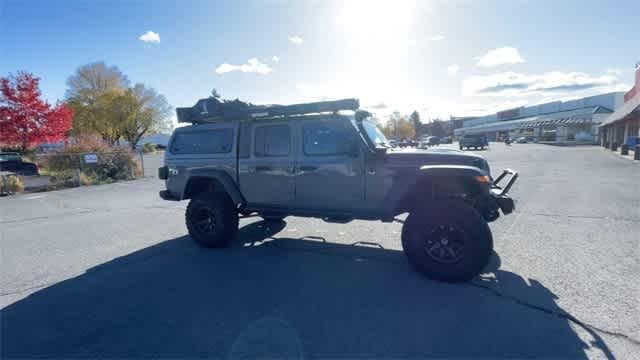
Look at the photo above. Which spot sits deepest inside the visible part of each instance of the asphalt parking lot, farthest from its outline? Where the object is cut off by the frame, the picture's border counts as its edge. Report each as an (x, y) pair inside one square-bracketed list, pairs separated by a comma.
[(108, 271)]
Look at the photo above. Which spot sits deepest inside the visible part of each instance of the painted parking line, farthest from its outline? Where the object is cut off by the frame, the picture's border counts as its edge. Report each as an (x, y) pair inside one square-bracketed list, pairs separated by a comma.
[(33, 197)]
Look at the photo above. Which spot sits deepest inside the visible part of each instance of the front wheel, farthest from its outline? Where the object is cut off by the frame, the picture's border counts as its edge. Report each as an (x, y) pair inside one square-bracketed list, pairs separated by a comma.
[(211, 219), (450, 242)]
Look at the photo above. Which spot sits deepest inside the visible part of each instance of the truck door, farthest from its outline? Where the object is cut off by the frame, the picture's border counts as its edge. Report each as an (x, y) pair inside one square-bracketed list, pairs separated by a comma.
[(266, 172), (330, 166)]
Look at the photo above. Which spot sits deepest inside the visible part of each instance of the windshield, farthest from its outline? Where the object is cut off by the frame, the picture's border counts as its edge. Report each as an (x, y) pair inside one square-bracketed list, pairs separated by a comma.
[(9, 157), (375, 134)]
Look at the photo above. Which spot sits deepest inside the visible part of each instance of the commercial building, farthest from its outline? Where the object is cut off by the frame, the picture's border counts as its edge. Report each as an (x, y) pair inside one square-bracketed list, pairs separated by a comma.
[(570, 121), (623, 126)]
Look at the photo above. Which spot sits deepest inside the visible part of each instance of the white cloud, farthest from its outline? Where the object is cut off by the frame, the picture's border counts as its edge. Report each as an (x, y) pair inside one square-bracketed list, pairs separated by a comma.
[(252, 66), (500, 56), (275, 59), (150, 37), (613, 71), (438, 37), (297, 40), (556, 82), (452, 70)]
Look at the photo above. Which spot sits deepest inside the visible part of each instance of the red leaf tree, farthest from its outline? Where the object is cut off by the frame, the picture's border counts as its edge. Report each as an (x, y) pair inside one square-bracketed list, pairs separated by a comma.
[(27, 120)]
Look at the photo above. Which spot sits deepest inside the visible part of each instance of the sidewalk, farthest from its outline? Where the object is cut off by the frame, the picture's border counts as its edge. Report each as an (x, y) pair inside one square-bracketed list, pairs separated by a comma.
[(617, 153)]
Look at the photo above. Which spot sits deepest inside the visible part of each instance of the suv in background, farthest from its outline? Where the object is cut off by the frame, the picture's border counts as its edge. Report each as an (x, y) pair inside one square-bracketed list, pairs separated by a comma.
[(473, 141), (313, 160), (12, 162)]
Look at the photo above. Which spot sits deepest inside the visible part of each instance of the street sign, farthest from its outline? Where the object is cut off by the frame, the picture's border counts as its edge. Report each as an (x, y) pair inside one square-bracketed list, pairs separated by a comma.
[(90, 158)]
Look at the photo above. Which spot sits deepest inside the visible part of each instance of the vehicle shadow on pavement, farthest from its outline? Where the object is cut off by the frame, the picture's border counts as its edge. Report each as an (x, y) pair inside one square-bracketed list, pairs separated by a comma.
[(272, 296)]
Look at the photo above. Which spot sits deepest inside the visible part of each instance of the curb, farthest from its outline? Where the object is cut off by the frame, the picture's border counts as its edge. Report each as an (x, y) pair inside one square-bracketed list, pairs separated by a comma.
[(618, 155)]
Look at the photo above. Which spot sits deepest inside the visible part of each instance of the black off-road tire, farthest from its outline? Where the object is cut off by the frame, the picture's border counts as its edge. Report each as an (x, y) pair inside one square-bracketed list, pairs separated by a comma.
[(460, 225), (222, 225)]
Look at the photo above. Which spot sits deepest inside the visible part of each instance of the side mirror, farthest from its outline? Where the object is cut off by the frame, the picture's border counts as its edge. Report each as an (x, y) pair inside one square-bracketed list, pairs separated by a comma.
[(381, 151)]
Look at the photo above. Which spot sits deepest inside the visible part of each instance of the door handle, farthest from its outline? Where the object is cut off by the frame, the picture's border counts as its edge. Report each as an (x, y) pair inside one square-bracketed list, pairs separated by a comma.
[(308, 168), (262, 168)]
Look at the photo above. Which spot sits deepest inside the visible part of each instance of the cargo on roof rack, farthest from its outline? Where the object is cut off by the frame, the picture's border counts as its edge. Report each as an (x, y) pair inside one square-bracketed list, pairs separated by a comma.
[(213, 109)]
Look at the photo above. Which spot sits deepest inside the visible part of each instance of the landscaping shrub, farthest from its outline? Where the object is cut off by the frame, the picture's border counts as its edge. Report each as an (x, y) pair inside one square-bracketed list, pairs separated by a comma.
[(88, 179), (10, 184), (149, 148), (113, 164)]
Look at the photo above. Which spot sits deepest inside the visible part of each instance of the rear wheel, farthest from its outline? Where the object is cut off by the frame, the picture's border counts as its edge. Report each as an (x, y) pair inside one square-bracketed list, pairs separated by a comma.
[(450, 242), (211, 219)]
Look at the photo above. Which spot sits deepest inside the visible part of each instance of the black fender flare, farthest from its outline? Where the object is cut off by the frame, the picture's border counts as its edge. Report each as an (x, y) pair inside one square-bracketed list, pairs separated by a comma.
[(221, 177), (407, 181)]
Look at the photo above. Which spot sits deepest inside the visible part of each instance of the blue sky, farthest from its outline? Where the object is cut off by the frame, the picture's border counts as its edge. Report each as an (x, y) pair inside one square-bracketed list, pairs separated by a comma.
[(439, 57)]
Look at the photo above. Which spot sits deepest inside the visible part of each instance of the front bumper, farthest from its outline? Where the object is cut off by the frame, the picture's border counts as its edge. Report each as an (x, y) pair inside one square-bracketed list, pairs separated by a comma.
[(166, 195), (501, 193)]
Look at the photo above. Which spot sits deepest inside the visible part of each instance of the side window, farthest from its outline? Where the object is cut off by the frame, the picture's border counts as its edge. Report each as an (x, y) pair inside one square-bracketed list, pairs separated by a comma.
[(325, 139), (272, 140), (203, 142)]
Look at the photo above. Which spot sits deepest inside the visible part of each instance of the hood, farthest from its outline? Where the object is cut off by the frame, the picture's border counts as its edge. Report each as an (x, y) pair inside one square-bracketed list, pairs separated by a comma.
[(420, 157)]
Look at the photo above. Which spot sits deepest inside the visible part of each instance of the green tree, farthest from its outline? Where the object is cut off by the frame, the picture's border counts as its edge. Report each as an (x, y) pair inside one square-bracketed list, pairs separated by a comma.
[(106, 105), (92, 80), (144, 111), (398, 127), (436, 128), (90, 92), (414, 118)]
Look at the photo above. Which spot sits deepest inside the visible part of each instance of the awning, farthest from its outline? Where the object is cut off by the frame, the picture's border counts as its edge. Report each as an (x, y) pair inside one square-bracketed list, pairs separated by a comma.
[(561, 118), (623, 111)]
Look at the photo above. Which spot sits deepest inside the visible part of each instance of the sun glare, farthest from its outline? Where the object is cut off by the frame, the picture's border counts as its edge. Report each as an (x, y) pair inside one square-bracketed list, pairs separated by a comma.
[(376, 21), (379, 34)]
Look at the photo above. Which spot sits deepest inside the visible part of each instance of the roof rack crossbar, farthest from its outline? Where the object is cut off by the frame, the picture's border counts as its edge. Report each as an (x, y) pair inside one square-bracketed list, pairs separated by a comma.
[(214, 110)]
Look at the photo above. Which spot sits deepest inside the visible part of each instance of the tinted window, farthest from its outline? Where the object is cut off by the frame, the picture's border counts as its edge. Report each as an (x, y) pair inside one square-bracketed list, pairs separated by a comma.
[(203, 142), (325, 139), (9, 157), (272, 140)]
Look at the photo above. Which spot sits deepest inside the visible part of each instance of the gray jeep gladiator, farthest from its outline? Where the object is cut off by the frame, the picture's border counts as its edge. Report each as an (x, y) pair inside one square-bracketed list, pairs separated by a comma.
[(329, 160)]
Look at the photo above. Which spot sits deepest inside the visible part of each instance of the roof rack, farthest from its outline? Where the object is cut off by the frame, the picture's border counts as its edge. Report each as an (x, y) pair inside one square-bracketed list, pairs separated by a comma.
[(214, 110)]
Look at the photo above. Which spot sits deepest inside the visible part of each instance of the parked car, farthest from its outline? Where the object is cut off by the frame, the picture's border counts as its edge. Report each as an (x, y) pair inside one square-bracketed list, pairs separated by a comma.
[(473, 141), (12, 162), (446, 140), (250, 161), (521, 140), (433, 140)]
